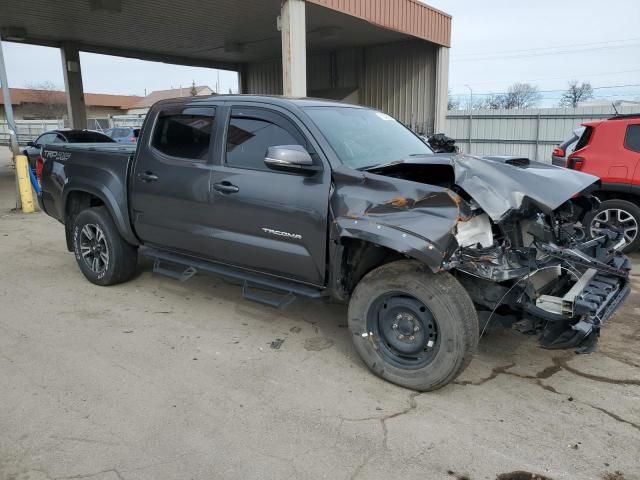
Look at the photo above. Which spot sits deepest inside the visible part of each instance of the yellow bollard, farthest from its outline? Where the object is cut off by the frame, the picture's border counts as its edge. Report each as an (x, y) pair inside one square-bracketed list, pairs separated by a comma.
[(24, 184)]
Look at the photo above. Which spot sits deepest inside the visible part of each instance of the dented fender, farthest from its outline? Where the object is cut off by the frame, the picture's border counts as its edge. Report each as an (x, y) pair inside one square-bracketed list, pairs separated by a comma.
[(417, 220), (392, 238)]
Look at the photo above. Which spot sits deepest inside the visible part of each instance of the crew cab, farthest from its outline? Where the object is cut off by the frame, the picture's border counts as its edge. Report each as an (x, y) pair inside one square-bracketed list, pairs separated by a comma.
[(610, 149), (318, 199)]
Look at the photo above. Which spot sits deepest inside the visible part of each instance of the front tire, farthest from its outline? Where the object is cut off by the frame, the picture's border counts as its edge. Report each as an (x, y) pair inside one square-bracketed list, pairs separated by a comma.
[(413, 327), (103, 256), (619, 215)]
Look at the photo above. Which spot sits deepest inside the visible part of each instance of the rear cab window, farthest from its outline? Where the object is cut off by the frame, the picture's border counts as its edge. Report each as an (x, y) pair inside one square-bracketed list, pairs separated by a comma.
[(86, 136), (184, 133)]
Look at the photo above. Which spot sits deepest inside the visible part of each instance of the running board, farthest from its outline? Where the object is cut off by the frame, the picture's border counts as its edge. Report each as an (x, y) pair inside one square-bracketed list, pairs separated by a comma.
[(264, 289), (182, 276), (267, 297)]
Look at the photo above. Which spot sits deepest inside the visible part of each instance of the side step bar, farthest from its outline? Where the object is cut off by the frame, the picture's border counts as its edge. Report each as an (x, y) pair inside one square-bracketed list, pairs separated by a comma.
[(271, 291)]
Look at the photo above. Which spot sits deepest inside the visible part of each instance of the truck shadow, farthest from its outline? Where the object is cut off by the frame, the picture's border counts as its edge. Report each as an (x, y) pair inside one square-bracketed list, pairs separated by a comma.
[(321, 324)]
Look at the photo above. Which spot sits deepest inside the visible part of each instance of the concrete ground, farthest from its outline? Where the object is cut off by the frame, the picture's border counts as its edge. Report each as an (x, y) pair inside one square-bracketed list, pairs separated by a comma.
[(157, 379)]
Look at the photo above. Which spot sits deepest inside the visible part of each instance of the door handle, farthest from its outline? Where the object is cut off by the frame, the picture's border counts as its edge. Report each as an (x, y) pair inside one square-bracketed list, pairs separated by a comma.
[(148, 177), (226, 187)]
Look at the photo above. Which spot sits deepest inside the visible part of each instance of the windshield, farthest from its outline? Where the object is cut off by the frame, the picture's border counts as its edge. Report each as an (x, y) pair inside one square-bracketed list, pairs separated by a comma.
[(365, 138)]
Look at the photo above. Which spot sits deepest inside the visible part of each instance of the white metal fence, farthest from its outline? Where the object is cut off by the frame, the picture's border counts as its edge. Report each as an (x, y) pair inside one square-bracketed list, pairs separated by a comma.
[(530, 133), (29, 130)]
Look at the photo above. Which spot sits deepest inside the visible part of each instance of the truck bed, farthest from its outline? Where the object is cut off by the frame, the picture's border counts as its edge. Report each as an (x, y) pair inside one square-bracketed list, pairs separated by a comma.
[(96, 168)]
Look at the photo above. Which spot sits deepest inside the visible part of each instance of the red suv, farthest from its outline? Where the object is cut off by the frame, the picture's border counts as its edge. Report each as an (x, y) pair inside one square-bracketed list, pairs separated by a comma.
[(610, 149)]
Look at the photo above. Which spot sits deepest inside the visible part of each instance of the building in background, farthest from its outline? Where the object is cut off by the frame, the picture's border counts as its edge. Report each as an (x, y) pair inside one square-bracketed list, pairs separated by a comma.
[(390, 55), (141, 107), (31, 104)]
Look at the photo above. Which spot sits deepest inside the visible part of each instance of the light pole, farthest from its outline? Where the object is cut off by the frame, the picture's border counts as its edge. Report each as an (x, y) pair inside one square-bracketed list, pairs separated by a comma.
[(11, 124), (470, 116)]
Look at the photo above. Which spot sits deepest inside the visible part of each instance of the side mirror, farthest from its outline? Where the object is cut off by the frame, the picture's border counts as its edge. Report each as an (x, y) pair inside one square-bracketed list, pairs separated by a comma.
[(291, 158), (32, 144)]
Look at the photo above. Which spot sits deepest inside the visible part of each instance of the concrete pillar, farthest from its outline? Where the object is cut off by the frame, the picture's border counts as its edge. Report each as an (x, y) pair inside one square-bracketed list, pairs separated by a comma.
[(76, 107), (294, 48), (442, 89)]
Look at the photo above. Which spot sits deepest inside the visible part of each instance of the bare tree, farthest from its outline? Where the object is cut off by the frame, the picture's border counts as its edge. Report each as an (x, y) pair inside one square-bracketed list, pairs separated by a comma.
[(576, 94), (521, 95), (47, 102), (452, 102), (492, 101)]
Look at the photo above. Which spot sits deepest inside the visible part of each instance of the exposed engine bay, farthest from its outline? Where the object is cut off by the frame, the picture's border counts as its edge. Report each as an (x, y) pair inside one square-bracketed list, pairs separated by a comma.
[(522, 253), (543, 274)]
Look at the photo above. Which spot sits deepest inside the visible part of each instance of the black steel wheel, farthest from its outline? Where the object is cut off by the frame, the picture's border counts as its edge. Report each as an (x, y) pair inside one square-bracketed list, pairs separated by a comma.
[(413, 327), (406, 329)]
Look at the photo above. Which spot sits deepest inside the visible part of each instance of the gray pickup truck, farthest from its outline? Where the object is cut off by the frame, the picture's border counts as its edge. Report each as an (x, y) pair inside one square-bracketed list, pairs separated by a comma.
[(323, 200)]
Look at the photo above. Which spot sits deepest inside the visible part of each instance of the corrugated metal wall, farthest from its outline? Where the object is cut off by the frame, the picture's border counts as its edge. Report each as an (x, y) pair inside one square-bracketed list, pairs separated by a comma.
[(397, 78), (406, 16), (530, 133), (264, 78)]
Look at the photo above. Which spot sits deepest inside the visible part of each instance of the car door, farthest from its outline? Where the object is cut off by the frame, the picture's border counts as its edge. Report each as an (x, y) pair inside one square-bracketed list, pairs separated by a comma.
[(267, 220), (169, 187)]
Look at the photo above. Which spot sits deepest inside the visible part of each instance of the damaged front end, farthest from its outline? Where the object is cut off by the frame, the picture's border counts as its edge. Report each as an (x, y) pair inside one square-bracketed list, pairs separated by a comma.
[(542, 275), (521, 251)]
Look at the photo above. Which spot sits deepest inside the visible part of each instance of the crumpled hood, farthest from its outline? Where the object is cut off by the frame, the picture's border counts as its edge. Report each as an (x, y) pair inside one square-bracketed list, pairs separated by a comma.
[(501, 185)]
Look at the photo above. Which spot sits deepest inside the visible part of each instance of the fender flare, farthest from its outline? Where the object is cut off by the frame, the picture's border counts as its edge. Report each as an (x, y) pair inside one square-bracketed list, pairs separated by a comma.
[(393, 238), (117, 210)]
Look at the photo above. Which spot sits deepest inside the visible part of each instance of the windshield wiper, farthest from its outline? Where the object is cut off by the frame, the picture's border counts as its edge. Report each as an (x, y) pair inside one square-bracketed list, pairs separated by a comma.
[(392, 163), (382, 165)]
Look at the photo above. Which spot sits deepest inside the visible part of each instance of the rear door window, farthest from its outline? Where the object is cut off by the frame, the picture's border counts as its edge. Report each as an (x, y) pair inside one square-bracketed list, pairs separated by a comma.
[(186, 134), (632, 138)]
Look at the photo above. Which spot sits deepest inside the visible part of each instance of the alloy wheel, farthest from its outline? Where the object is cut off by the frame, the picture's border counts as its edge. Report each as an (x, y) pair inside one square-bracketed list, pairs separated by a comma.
[(617, 220), (94, 248)]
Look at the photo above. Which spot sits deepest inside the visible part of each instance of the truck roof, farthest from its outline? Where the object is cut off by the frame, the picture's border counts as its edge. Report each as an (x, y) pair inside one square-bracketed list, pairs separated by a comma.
[(278, 100)]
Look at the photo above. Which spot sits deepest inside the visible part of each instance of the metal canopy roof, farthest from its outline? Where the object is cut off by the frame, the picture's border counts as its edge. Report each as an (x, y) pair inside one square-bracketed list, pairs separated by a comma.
[(220, 33)]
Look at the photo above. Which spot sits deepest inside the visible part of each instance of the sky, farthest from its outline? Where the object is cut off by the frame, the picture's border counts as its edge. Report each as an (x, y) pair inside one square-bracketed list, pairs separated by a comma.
[(30, 65), (548, 43), (495, 43)]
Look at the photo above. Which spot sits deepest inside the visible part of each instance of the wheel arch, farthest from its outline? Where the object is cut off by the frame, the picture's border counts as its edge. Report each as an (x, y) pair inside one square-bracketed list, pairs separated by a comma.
[(76, 198), (360, 251), (630, 194)]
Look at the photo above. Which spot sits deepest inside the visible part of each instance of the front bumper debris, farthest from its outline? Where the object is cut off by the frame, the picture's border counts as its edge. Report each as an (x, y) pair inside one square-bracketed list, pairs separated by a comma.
[(566, 295)]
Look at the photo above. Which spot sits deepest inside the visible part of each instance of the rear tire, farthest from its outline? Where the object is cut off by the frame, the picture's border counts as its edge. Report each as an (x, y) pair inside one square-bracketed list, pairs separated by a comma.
[(103, 256), (413, 327), (621, 214)]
